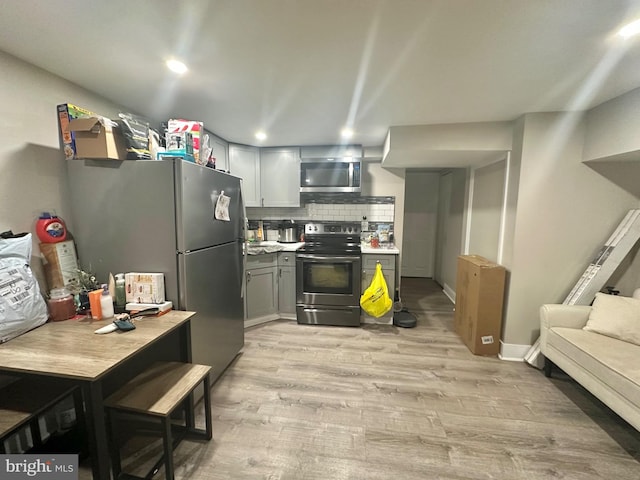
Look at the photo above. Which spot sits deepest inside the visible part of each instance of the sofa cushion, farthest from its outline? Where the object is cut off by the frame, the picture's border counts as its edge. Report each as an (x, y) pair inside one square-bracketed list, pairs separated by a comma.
[(615, 316), (613, 362)]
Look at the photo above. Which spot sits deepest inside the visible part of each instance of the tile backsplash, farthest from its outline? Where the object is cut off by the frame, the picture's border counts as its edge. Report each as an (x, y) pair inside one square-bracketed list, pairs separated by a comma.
[(343, 212)]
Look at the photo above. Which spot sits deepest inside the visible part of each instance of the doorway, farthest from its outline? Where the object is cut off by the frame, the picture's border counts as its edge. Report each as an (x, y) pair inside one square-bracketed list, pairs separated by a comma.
[(420, 224)]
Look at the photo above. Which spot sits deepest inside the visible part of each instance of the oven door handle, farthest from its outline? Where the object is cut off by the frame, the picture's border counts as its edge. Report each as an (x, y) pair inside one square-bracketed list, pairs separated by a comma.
[(328, 258)]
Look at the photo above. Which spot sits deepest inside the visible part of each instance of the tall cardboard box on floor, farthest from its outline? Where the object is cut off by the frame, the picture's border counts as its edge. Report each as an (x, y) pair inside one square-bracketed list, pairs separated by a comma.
[(479, 302)]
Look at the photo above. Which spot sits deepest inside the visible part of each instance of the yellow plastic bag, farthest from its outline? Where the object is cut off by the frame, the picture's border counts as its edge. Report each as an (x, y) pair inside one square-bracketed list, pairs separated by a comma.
[(375, 300)]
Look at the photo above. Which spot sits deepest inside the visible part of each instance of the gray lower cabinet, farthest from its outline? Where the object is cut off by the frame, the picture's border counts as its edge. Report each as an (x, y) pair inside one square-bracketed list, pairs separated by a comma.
[(287, 284), (388, 262), (261, 286)]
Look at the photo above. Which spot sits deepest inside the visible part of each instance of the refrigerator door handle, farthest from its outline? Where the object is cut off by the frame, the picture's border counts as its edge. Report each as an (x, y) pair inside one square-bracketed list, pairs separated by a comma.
[(245, 243)]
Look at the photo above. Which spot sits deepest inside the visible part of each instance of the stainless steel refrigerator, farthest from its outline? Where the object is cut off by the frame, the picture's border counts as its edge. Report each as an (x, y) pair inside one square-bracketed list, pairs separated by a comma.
[(158, 216)]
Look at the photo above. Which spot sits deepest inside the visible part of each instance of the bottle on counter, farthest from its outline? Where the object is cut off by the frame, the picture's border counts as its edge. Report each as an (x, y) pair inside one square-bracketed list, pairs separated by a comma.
[(106, 303), (120, 290), (260, 235), (364, 224), (61, 305)]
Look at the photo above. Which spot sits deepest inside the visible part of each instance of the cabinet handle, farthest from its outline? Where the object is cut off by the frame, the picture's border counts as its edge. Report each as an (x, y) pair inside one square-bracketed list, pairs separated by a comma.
[(248, 276), (280, 273)]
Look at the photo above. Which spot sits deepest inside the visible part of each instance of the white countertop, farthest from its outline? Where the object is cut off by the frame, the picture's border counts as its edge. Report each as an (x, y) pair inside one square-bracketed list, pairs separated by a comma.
[(290, 247), (271, 246), (383, 249)]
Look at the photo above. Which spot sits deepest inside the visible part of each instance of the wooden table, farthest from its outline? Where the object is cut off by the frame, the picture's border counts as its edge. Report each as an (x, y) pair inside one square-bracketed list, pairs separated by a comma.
[(99, 363)]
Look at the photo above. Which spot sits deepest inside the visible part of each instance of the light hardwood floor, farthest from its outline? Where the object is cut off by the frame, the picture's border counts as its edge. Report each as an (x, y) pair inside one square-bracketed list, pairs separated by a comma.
[(381, 402)]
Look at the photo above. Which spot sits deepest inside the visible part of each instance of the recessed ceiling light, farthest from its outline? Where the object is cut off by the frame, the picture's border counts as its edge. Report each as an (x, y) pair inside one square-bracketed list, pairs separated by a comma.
[(176, 66), (630, 29), (346, 133), (261, 135)]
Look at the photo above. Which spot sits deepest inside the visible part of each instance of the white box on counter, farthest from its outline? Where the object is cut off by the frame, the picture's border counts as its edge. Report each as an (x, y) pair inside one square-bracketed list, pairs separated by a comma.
[(144, 287)]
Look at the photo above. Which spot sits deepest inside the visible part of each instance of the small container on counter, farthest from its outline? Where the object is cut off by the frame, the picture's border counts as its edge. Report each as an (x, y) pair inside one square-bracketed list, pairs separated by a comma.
[(61, 305), (94, 304), (375, 242), (106, 303), (120, 290)]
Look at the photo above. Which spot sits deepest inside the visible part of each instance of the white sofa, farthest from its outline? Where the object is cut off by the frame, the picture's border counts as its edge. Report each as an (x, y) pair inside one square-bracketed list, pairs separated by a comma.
[(609, 368)]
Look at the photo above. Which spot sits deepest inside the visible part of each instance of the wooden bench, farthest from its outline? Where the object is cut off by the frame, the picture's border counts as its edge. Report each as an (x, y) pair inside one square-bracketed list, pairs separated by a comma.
[(24, 400), (155, 394)]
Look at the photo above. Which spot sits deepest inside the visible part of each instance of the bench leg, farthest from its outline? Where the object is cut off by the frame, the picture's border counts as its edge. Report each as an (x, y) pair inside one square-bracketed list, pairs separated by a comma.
[(36, 438), (168, 447), (114, 445), (207, 407), (548, 366)]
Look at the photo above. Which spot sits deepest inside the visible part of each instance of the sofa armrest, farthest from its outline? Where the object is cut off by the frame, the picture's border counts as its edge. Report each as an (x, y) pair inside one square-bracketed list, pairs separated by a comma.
[(558, 315)]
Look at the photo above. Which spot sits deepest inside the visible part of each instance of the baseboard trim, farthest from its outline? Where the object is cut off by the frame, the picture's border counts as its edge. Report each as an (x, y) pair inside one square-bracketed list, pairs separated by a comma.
[(513, 352), (450, 293), (260, 320)]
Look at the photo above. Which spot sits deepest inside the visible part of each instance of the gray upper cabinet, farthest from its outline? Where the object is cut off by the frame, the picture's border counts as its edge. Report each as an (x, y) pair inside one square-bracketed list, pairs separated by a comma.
[(332, 151), (280, 177), (244, 162), (270, 176), (220, 153), (220, 150)]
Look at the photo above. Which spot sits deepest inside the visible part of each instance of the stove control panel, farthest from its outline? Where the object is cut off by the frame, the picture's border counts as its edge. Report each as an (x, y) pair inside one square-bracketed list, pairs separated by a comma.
[(335, 228)]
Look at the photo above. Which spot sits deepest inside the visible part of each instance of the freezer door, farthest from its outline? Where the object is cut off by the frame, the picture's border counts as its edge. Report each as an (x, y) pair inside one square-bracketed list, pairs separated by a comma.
[(210, 281), (123, 218), (197, 191)]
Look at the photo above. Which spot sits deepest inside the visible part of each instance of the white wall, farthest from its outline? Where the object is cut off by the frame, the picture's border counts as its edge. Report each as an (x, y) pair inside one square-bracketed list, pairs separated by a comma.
[(450, 145), (450, 241), (612, 127), (32, 167), (565, 211), (485, 219), (377, 181)]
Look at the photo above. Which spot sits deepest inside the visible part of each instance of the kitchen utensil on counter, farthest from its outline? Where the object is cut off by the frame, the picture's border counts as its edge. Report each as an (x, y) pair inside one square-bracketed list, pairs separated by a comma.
[(287, 232)]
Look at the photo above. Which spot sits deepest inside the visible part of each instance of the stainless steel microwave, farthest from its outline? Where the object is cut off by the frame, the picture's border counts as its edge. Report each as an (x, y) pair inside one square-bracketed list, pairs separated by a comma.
[(339, 175)]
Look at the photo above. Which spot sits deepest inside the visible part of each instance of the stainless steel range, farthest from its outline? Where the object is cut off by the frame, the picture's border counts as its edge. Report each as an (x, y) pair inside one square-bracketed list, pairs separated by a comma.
[(328, 275)]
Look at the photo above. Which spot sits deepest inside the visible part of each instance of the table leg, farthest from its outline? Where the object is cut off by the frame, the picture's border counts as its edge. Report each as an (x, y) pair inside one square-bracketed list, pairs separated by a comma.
[(185, 342), (96, 430)]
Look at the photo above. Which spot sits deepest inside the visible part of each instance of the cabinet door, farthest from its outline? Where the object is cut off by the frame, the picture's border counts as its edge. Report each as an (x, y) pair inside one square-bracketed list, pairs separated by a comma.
[(280, 177), (219, 152), (389, 274), (244, 162), (262, 292), (287, 290)]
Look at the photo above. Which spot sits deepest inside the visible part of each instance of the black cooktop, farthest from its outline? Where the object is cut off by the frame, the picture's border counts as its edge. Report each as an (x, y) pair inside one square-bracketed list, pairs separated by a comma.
[(331, 238)]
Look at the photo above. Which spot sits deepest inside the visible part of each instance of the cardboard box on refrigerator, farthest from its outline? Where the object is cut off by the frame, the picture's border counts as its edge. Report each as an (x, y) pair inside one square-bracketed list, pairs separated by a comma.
[(98, 137), (66, 113), (479, 303), (144, 287)]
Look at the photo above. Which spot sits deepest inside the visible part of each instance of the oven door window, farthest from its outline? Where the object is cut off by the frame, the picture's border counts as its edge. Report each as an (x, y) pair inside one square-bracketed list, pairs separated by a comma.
[(328, 278)]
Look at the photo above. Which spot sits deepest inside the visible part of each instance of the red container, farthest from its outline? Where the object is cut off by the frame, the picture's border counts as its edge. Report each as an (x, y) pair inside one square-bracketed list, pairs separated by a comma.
[(61, 305), (50, 228)]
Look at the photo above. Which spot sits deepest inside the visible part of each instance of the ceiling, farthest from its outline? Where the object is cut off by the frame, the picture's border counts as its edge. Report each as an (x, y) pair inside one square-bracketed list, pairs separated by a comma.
[(303, 69)]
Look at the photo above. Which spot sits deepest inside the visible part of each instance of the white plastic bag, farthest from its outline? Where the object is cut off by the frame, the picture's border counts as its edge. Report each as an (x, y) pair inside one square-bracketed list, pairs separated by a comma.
[(22, 307)]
